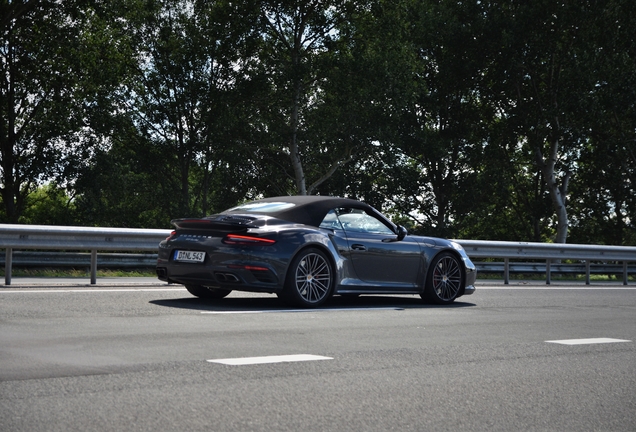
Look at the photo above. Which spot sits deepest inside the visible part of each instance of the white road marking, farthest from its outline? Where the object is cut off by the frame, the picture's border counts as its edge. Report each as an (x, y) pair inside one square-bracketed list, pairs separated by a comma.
[(90, 290), (553, 288), (587, 341), (229, 312), (30, 290), (269, 359)]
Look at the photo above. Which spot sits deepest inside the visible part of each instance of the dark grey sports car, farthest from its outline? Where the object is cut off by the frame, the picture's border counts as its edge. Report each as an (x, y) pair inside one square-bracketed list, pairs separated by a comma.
[(306, 249)]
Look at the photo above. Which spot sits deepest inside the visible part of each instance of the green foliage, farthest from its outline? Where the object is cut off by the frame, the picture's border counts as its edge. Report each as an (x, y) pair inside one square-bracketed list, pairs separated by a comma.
[(493, 120), (59, 61), (49, 205)]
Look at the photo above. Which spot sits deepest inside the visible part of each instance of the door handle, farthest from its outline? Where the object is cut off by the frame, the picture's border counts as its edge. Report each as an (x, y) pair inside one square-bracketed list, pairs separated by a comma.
[(358, 247)]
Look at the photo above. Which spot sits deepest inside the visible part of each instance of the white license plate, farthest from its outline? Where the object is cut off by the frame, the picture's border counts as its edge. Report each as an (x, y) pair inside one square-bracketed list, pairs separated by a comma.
[(189, 256)]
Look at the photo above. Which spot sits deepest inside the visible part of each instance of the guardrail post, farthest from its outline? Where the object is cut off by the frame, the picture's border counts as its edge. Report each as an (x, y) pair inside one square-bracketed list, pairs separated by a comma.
[(8, 263), (624, 272), (548, 272), (506, 271), (587, 272), (93, 267)]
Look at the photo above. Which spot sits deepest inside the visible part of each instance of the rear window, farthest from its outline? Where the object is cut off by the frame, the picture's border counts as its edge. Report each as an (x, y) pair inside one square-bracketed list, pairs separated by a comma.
[(262, 207)]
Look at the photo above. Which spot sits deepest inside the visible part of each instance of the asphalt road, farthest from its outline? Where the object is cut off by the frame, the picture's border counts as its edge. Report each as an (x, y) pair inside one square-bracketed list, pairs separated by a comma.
[(119, 357)]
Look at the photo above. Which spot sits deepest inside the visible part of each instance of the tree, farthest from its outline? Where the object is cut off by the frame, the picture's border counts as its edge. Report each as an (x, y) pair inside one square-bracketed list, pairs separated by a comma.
[(298, 42), (540, 85), (437, 115), (183, 122), (49, 205), (51, 56), (604, 188)]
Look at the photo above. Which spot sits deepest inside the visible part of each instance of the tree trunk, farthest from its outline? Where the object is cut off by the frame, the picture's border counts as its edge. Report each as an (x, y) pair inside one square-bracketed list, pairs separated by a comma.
[(557, 193), (297, 165), (7, 144)]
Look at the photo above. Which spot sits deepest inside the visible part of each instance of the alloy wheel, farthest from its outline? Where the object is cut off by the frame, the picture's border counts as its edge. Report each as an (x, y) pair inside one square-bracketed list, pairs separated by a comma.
[(447, 278), (313, 278)]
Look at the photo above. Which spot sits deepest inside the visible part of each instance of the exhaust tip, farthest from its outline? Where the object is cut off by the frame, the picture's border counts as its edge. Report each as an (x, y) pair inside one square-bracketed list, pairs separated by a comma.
[(226, 277), (231, 278)]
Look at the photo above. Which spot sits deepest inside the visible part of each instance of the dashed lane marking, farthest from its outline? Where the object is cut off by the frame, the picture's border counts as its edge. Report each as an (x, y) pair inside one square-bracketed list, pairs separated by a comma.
[(587, 341), (84, 290), (555, 288), (230, 312), (269, 359)]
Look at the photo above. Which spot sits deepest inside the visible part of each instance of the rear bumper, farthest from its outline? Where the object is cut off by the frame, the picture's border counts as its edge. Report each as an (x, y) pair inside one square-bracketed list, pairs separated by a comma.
[(233, 277), (469, 290)]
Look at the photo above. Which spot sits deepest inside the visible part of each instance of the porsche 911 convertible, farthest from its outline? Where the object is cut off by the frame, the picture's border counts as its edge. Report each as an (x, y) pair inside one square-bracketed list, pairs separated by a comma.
[(306, 249)]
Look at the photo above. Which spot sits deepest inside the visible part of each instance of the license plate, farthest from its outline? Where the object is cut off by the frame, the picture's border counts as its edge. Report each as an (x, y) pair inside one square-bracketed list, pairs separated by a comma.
[(189, 256)]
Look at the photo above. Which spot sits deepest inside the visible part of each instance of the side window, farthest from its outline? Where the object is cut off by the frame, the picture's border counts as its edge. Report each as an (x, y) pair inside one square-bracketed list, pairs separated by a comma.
[(356, 220), (331, 221)]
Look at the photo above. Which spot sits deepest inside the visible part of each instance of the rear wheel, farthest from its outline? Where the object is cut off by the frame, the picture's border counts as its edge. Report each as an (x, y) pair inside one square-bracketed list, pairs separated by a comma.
[(445, 279), (309, 280), (207, 292)]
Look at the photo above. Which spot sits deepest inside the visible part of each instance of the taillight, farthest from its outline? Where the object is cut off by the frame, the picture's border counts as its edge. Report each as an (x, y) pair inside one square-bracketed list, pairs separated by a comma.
[(248, 267), (235, 239), (172, 234)]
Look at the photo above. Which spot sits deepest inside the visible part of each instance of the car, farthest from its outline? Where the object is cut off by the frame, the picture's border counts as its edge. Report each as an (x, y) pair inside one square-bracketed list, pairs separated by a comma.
[(306, 249)]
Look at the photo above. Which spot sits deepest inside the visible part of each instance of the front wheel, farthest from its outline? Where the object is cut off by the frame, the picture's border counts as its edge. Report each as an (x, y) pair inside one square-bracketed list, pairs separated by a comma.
[(445, 279), (207, 292), (309, 280)]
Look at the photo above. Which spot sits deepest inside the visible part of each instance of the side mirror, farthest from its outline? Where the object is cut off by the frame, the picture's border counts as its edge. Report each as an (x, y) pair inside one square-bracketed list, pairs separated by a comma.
[(401, 232)]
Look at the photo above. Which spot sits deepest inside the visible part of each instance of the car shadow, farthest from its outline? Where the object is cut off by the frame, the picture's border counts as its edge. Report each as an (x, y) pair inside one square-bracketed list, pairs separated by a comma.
[(272, 303)]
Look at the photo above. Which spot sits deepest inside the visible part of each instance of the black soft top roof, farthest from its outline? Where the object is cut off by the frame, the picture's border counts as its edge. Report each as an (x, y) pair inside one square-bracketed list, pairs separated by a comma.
[(307, 209)]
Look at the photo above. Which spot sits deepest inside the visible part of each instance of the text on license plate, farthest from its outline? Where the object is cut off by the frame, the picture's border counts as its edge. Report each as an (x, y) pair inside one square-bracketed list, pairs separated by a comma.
[(189, 256)]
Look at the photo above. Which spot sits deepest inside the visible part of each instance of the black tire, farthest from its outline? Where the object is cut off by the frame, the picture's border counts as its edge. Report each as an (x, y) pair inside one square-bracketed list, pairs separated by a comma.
[(310, 279), (207, 292), (445, 279)]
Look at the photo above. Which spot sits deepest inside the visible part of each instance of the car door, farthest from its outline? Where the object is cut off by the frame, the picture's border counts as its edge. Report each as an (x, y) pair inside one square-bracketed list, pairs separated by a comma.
[(377, 256)]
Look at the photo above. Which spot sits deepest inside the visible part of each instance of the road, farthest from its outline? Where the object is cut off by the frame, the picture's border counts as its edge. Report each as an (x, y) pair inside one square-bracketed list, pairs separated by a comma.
[(118, 357)]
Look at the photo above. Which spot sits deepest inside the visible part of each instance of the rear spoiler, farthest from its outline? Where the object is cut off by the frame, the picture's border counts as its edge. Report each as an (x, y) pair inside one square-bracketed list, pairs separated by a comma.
[(225, 223)]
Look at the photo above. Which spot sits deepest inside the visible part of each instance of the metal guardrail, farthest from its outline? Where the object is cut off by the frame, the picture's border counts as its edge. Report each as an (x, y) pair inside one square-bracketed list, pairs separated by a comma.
[(44, 237), (57, 259), (550, 252), (40, 237), (81, 260), (531, 268)]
